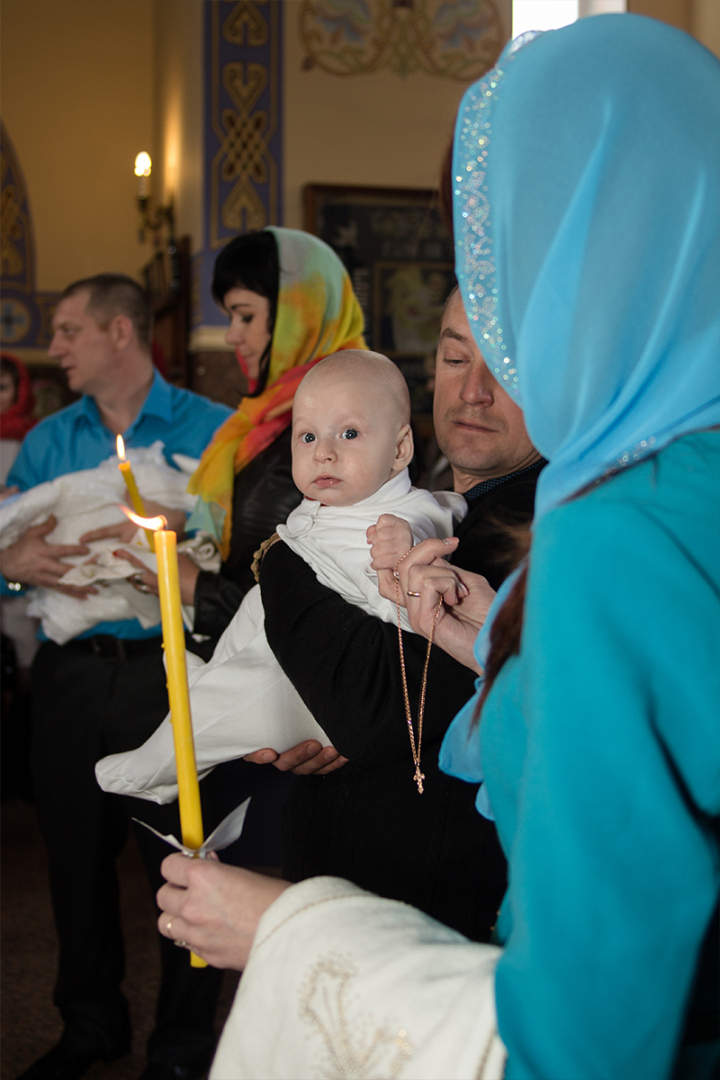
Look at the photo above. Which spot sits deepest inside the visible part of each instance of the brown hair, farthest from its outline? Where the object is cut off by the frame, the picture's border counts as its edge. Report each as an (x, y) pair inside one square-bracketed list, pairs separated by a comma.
[(506, 630), (116, 294)]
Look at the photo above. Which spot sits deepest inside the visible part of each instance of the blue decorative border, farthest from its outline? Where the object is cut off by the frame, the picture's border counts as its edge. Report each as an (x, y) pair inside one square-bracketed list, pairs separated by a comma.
[(25, 315), (243, 128)]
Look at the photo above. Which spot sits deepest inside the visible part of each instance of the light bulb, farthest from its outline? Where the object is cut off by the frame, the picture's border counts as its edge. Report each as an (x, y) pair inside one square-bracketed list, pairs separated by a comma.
[(143, 164)]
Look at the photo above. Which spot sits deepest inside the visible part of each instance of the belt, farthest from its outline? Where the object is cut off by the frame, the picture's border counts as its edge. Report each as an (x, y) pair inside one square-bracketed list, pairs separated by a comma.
[(108, 647)]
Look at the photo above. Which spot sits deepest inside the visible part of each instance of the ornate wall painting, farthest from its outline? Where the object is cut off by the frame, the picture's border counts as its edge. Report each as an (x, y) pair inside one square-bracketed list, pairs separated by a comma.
[(400, 258), (243, 126), (25, 315), (459, 40)]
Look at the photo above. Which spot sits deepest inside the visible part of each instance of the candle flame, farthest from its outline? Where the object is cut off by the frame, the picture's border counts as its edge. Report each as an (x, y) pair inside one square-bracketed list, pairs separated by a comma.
[(154, 523), (120, 444)]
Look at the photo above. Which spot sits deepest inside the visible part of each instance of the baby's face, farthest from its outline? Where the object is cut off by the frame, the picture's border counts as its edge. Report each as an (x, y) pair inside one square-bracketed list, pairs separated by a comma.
[(344, 441)]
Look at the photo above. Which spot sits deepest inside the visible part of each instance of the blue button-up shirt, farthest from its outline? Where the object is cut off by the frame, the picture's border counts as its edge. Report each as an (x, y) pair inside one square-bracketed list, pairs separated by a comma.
[(76, 438)]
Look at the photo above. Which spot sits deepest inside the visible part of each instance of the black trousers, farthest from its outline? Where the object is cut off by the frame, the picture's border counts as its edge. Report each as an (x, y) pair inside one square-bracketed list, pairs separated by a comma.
[(86, 706)]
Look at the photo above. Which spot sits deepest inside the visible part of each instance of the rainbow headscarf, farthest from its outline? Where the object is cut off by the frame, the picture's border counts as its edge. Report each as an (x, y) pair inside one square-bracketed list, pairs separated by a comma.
[(317, 314)]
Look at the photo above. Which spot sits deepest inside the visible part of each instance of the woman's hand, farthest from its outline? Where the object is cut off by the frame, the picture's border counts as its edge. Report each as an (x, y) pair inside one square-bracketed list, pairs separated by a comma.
[(146, 581), (305, 759), (465, 598), (125, 530), (214, 908), (391, 538)]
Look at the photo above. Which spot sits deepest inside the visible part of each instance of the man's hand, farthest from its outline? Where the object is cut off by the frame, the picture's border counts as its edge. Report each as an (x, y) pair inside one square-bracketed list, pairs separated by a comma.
[(146, 581), (125, 530), (391, 538), (32, 561), (305, 759), (214, 908)]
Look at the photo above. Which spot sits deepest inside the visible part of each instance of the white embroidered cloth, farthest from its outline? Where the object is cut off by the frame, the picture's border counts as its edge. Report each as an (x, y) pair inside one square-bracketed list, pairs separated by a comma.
[(241, 700), (341, 983), (87, 500)]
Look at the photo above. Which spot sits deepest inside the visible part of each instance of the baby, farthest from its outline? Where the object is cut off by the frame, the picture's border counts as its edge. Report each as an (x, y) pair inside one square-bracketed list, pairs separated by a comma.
[(351, 445)]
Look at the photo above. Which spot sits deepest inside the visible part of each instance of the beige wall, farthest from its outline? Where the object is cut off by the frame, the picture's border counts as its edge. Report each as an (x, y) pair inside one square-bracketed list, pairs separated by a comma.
[(377, 129), (77, 104), (676, 12), (706, 23), (178, 146), (86, 84)]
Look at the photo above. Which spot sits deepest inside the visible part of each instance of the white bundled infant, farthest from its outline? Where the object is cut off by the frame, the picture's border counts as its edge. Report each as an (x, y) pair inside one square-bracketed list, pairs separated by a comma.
[(83, 502), (351, 445)]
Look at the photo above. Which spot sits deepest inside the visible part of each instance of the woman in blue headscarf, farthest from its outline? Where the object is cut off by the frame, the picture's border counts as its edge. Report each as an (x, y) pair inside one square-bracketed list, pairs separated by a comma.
[(587, 218)]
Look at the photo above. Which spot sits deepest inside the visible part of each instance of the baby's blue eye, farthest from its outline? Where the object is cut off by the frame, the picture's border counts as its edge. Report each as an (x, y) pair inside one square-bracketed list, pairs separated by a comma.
[(349, 433), (307, 436)]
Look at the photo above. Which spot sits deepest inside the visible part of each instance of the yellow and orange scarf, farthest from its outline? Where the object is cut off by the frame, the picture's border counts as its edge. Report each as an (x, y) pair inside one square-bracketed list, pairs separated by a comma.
[(317, 314)]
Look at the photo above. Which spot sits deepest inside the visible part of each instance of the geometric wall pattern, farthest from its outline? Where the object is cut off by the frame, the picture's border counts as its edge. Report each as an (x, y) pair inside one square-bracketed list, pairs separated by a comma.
[(243, 128)]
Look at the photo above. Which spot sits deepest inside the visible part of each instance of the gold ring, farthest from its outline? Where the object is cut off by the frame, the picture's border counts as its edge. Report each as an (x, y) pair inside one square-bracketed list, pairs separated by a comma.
[(408, 592)]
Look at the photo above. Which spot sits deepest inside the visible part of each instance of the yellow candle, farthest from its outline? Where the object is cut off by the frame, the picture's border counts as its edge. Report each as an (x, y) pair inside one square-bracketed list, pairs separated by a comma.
[(177, 683), (132, 488)]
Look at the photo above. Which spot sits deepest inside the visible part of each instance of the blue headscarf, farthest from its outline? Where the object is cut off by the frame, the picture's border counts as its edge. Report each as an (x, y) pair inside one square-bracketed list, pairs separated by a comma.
[(587, 219)]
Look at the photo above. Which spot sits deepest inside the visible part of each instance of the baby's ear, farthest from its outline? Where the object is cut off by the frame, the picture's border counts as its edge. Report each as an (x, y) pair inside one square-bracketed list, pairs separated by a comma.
[(405, 448)]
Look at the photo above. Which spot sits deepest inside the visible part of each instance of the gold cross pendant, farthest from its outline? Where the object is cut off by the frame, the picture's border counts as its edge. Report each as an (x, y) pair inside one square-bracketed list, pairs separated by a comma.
[(418, 778)]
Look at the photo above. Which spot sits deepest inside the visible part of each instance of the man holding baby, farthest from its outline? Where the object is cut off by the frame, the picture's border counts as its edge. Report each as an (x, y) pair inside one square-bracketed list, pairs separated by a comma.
[(362, 817)]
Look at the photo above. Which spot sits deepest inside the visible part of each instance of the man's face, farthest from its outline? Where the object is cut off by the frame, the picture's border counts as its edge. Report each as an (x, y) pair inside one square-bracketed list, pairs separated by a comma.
[(478, 428), (84, 350)]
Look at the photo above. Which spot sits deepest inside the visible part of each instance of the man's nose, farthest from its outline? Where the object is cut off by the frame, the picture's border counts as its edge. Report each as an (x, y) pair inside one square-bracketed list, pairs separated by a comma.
[(478, 386)]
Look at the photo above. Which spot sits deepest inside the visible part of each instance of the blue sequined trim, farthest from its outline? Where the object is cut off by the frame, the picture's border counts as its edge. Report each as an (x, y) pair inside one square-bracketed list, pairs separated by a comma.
[(473, 243)]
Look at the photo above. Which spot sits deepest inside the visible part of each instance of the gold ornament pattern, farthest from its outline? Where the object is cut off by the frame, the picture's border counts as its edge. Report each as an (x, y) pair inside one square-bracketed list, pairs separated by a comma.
[(460, 40), (355, 1046), (15, 240)]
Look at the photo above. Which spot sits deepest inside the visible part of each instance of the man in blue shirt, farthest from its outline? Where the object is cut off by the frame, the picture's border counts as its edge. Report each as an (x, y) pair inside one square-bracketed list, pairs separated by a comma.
[(104, 692)]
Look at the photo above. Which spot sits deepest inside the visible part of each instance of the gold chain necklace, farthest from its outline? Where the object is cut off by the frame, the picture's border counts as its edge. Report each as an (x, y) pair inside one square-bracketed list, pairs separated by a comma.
[(416, 747)]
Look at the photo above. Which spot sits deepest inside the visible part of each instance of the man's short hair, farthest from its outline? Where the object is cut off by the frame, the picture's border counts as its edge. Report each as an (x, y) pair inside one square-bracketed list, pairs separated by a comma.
[(116, 294)]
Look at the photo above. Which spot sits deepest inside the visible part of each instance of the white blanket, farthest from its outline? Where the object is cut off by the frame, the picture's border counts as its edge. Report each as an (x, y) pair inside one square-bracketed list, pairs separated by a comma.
[(87, 500), (344, 984), (241, 701)]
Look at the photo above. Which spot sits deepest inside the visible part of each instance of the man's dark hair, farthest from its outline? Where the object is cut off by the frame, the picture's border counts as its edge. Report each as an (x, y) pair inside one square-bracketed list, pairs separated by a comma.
[(249, 262), (116, 294)]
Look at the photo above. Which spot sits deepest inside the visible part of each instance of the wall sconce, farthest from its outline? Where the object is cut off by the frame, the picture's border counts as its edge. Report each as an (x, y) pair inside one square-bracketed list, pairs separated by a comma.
[(151, 220)]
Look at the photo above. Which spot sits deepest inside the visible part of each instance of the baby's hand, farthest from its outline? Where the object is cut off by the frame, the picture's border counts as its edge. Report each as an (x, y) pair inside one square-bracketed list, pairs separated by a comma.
[(391, 538)]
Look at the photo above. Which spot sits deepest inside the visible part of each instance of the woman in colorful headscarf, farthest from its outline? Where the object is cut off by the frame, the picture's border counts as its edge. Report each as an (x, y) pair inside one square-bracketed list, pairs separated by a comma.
[(587, 220), (290, 303)]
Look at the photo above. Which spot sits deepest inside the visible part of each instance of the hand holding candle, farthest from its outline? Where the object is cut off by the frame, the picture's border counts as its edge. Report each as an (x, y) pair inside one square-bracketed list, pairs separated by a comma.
[(174, 644)]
